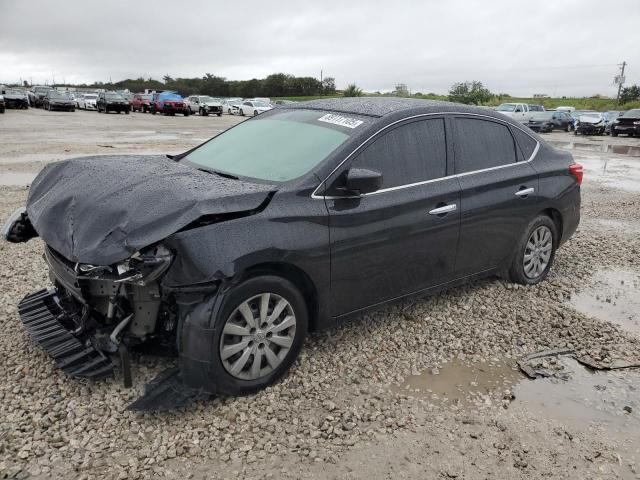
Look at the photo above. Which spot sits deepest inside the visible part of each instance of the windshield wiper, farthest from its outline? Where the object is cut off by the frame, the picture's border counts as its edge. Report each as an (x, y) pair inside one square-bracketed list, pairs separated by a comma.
[(221, 174)]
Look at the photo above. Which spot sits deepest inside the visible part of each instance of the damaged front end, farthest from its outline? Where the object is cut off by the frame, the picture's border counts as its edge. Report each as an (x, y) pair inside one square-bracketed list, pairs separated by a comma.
[(95, 314), (106, 309)]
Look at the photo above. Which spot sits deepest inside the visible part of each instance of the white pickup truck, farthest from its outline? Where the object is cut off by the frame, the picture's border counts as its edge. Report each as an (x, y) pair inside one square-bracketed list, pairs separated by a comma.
[(519, 111)]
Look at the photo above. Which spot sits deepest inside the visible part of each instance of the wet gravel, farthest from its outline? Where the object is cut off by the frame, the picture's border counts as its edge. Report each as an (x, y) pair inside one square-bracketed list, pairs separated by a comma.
[(339, 395)]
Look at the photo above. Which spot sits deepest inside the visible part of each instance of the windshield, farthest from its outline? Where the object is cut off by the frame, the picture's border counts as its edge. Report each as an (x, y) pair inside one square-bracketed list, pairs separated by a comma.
[(542, 116), (55, 94), (114, 96), (635, 113), (260, 104), (90, 97), (506, 107), (207, 99), (278, 147)]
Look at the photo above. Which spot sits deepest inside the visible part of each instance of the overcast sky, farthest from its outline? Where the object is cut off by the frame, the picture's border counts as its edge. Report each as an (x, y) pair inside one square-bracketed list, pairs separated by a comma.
[(561, 47)]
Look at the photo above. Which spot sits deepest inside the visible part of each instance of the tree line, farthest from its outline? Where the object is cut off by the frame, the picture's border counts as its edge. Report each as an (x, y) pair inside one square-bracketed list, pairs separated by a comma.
[(275, 85)]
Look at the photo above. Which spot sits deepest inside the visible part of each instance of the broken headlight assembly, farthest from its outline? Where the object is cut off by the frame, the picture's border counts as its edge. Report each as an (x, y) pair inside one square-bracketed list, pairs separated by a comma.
[(141, 268)]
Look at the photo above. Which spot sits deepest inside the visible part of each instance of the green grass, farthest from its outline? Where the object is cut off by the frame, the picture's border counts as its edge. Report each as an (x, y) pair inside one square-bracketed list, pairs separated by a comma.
[(599, 104)]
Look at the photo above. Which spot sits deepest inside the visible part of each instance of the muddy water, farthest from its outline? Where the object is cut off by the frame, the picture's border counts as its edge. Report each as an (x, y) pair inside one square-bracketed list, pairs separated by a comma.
[(582, 397), (459, 382), (613, 296), (609, 398)]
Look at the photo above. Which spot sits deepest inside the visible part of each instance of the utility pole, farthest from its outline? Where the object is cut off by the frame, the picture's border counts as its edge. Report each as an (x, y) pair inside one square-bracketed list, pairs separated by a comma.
[(620, 81), (321, 86)]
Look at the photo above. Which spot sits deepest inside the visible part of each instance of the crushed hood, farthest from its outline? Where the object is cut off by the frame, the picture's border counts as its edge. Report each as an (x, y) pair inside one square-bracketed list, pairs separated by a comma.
[(100, 210)]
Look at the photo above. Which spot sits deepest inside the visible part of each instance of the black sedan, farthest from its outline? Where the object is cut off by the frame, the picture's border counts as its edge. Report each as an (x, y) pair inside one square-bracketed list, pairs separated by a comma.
[(112, 102), (295, 220), (545, 122), (15, 99), (629, 124), (56, 100)]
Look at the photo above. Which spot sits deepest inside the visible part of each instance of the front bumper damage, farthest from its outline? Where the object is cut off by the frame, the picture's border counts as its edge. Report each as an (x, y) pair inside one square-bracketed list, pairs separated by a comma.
[(60, 332), (51, 327)]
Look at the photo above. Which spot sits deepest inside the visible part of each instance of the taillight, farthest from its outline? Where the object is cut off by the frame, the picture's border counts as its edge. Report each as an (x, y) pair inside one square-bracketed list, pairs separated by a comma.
[(577, 171)]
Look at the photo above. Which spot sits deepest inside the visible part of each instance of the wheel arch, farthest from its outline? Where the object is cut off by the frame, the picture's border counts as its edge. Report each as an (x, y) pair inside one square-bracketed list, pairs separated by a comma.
[(298, 277), (556, 217)]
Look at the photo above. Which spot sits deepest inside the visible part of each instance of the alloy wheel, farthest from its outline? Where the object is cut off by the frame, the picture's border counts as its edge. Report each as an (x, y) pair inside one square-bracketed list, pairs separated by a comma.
[(257, 336), (537, 252)]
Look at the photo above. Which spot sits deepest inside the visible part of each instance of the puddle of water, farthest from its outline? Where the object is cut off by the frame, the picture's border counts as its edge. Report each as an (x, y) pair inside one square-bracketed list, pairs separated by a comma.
[(586, 397), (580, 397), (624, 150), (616, 172), (614, 296), (17, 178), (459, 382)]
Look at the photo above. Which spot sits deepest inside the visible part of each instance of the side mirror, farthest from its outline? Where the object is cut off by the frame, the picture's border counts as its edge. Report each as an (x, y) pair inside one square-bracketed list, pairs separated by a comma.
[(361, 180)]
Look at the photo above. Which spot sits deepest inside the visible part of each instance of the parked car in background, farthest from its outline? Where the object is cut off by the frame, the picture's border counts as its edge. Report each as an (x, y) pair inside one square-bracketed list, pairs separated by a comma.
[(609, 118), (87, 101), (32, 98), (112, 102), (591, 123), (234, 250), (59, 100), (628, 124), (565, 109), (14, 98), (545, 122), (283, 102), (169, 103), (254, 107), (520, 112), (204, 105), (231, 105), (141, 102), (40, 92), (2, 105)]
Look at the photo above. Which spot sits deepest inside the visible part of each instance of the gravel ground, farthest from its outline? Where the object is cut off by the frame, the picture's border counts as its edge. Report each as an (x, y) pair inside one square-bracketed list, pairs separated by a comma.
[(337, 414)]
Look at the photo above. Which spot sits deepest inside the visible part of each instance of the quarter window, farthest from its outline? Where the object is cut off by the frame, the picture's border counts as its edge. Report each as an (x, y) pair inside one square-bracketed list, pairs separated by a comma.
[(411, 153), (482, 144), (525, 142)]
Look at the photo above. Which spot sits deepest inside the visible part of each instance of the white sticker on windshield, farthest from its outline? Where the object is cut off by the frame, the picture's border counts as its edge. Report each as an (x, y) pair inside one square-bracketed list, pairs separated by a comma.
[(340, 120)]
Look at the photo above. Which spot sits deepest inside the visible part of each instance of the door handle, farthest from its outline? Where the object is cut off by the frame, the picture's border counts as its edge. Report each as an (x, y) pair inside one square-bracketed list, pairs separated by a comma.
[(525, 191), (443, 210)]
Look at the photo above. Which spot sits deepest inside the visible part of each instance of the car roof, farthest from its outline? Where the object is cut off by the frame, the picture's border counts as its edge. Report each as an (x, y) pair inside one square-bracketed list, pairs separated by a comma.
[(382, 106)]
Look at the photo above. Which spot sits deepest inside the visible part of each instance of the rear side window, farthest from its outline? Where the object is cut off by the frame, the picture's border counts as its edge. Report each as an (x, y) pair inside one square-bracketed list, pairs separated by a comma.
[(411, 153), (482, 144), (525, 142)]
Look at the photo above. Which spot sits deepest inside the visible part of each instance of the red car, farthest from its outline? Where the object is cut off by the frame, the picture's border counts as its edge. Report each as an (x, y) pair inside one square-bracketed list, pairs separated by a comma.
[(141, 102), (169, 103)]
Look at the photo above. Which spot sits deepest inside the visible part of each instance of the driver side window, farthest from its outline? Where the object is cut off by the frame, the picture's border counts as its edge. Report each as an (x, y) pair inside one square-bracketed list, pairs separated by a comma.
[(411, 153)]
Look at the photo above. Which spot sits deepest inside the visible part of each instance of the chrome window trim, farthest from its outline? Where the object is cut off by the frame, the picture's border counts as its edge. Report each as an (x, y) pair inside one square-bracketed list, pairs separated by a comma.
[(410, 185)]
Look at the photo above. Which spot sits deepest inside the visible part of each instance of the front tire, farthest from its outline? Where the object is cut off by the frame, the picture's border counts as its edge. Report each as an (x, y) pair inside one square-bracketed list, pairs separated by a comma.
[(241, 113), (260, 331), (535, 253)]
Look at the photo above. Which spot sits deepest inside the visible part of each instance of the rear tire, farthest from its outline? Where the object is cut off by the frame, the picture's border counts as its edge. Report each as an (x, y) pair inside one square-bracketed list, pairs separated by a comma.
[(272, 364), (536, 252)]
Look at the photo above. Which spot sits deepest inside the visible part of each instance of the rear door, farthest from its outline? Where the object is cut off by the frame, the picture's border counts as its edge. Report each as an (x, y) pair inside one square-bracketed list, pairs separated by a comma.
[(499, 191), (403, 237)]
